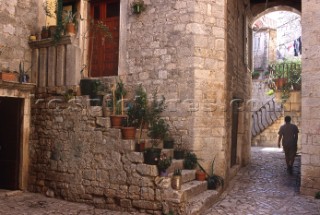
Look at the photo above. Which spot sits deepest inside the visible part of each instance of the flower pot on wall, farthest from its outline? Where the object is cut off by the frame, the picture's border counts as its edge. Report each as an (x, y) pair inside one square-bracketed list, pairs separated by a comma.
[(151, 156), (200, 175), (8, 76), (128, 133), (280, 83), (70, 28), (139, 147), (116, 120)]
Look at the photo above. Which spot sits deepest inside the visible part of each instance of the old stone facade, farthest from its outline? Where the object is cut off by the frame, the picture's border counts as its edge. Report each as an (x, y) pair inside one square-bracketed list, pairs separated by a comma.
[(197, 54), (310, 166)]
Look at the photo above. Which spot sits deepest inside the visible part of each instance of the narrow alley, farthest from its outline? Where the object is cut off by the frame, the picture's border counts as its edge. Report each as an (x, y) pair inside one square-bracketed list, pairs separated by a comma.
[(264, 187)]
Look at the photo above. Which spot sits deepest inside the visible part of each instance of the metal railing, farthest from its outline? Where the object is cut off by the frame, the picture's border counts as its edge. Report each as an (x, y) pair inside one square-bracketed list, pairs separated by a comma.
[(265, 116)]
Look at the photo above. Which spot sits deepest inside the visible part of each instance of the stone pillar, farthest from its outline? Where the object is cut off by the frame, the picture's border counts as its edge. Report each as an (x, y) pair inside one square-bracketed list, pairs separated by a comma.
[(61, 62), (310, 158), (43, 68), (52, 56)]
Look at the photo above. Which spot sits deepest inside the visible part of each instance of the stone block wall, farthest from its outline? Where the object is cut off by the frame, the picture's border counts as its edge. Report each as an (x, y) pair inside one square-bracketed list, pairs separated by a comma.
[(310, 123), (75, 155), (237, 83), (17, 22)]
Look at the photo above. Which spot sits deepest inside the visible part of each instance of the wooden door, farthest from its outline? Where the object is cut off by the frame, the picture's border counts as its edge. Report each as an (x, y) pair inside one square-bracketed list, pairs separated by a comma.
[(10, 128), (234, 137), (104, 52)]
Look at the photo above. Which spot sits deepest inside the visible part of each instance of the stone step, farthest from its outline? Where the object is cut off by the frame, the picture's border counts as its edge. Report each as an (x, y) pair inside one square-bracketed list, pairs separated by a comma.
[(188, 191), (187, 175), (199, 203), (176, 164), (168, 152)]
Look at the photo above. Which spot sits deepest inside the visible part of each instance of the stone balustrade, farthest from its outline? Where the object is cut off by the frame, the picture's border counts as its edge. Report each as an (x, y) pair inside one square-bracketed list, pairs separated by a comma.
[(55, 64)]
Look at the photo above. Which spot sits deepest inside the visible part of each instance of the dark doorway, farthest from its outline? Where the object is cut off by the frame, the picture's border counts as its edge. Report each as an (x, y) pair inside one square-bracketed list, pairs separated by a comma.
[(103, 51), (234, 137), (10, 129)]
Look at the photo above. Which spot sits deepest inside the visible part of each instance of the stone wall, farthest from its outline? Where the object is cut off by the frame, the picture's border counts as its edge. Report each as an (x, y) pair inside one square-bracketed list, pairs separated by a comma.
[(237, 84), (75, 155), (183, 54), (17, 22), (310, 160)]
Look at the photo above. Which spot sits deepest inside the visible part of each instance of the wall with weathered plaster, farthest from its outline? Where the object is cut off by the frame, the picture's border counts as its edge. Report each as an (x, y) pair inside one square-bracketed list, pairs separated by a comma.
[(310, 123), (17, 22)]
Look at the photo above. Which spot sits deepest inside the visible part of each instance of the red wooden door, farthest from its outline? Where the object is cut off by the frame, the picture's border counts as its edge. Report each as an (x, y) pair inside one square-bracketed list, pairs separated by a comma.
[(104, 52)]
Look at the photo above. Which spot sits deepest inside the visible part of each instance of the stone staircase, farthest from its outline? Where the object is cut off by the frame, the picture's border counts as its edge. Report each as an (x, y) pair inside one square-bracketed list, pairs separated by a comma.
[(265, 116), (193, 198)]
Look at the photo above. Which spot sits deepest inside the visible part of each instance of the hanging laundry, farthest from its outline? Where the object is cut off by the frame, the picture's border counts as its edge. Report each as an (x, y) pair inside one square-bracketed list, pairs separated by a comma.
[(300, 45)]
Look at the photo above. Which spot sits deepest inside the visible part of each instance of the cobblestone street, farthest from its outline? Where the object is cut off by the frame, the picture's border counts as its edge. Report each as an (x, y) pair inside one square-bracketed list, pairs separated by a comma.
[(264, 187)]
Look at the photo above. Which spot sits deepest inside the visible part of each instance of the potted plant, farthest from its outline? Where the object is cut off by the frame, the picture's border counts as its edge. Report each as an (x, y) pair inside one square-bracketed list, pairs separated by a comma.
[(295, 79), (163, 164), (178, 152), (6, 75), (176, 179), (190, 160), (138, 6), (156, 132), (255, 74), (70, 21), (91, 87), (157, 128), (128, 130), (23, 76), (200, 175), (139, 112), (168, 142), (214, 181), (118, 94)]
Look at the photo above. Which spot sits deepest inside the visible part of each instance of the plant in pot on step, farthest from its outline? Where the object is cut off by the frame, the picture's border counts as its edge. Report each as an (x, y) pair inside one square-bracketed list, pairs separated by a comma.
[(129, 124), (214, 181), (139, 112), (201, 173), (178, 152), (176, 179), (91, 87), (168, 141), (157, 131), (157, 128), (163, 164), (118, 94), (190, 160)]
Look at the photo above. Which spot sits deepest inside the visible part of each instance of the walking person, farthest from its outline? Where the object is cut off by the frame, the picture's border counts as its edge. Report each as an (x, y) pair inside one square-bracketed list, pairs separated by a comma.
[(288, 133)]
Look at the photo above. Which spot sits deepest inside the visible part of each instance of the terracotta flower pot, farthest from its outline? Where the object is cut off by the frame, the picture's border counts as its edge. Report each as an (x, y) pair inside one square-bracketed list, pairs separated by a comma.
[(116, 120), (8, 76), (128, 133), (70, 28), (200, 175), (139, 147)]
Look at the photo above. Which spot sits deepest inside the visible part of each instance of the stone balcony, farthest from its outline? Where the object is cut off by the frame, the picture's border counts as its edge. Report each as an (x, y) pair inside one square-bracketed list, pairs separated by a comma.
[(55, 64)]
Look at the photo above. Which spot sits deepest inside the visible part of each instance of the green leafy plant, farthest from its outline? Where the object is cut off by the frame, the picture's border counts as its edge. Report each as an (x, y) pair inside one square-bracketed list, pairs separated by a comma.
[(69, 94), (214, 181), (177, 172), (119, 93), (190, 161), (164, 162), (138, 6), (255, 74), (317, 196)]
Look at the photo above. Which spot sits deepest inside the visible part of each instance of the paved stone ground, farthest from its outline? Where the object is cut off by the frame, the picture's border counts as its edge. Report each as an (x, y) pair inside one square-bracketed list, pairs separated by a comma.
[(264, 187)]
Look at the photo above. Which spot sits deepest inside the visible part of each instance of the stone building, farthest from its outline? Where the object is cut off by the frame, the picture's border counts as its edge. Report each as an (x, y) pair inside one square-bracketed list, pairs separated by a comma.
[(196, 53)]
